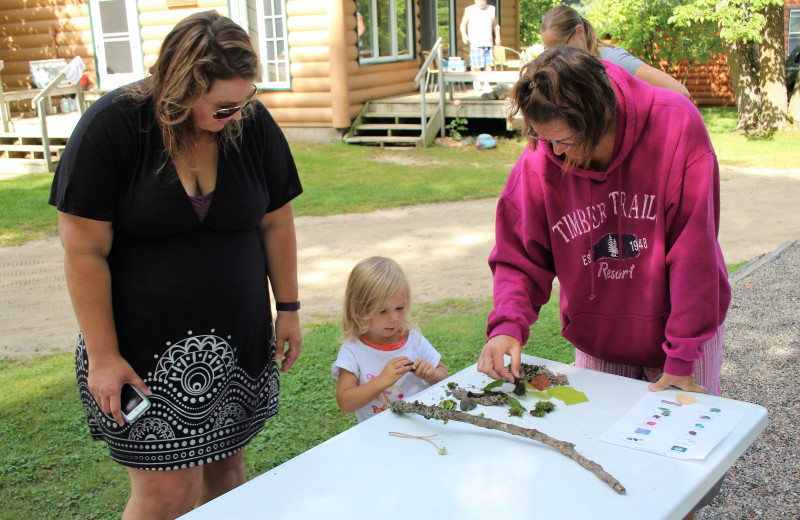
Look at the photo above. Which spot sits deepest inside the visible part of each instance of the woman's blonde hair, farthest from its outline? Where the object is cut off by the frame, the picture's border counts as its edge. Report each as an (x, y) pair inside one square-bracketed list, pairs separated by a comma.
[(562, 20), (200, 49), (372, 281)]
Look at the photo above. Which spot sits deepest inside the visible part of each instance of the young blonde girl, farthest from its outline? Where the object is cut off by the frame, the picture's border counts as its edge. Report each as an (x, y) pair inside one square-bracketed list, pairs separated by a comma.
[(383, 358)]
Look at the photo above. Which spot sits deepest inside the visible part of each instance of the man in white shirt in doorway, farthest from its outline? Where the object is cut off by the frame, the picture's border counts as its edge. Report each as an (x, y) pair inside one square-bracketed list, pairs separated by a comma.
[(477, 25)]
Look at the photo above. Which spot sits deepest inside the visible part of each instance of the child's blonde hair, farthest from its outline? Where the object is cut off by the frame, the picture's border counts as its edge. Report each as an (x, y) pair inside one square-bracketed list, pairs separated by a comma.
[(372, 281)]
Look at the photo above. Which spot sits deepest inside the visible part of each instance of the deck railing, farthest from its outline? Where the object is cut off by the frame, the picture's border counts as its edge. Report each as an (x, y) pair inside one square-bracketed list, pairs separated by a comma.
[(40, 102), (432, 65)]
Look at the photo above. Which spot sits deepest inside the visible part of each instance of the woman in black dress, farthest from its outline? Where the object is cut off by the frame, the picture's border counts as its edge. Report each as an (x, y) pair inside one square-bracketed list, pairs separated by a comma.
[(174, 198)]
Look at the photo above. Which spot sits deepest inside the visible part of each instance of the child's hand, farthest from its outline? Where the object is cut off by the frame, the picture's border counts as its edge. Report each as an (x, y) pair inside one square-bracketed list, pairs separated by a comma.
[(423, 369), (394, 370)]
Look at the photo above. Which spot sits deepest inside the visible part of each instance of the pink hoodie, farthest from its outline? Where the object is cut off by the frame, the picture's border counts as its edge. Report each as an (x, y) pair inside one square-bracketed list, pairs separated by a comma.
[(635, 249)]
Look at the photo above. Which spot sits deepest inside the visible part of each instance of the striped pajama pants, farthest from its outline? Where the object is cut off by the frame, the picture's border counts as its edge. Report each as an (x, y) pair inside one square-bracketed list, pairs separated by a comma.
[(706, 369)]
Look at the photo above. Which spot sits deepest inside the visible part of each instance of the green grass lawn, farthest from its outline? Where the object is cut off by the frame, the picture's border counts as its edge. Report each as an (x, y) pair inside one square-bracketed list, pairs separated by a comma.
[(339, 178), (780, 152), (51, 470)]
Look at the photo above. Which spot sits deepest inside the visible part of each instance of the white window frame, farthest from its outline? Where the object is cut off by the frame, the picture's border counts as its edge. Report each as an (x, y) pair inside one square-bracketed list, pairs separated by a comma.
[(109, 80), (411, 32), (250, 14), (794, 16)]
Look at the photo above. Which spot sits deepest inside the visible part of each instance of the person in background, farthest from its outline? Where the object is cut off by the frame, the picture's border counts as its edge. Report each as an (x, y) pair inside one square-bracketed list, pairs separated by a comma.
[(478, 25), (617, 195), (563, 25), (174, 207), (383, 358), (361, 28)]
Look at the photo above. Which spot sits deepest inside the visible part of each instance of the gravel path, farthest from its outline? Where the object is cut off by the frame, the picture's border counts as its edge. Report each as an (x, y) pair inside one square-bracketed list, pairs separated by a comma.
[(443, 248), (762, 366)]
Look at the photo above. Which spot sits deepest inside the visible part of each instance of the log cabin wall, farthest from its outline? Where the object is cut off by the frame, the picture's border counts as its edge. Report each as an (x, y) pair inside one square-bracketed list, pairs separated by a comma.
[(32, 30), (157, 18), (709, 84), (329, 86)]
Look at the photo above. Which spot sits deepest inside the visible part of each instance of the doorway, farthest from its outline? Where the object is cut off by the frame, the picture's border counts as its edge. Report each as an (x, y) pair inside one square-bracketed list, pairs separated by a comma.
[(436, 20), (117, 42)]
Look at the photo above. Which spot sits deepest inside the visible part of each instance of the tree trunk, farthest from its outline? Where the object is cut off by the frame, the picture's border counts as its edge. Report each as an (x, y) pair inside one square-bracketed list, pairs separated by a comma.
[(773, 71), (794, 105), (743, 67)]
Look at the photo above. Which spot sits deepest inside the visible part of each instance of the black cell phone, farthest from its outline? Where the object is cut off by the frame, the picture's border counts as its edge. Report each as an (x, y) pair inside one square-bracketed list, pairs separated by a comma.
[(133, 402)]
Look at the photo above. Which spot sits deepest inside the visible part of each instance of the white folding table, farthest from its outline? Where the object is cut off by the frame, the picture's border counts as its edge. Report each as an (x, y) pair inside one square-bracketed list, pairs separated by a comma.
[(366, 473)]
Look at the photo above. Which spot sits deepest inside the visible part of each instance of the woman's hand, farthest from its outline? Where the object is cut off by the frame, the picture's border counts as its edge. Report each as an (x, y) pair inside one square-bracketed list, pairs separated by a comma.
[(278, 234), (491, 362), (105, 380), (683, 382), (87, 243), (287, 332)]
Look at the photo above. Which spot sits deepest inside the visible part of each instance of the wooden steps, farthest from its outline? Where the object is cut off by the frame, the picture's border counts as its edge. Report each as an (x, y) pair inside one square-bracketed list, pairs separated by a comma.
[(385, 123), (25, 154)]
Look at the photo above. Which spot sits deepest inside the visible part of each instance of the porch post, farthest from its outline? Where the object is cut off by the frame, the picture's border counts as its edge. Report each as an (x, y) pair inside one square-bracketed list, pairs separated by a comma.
[(340, 89), (5, 112)]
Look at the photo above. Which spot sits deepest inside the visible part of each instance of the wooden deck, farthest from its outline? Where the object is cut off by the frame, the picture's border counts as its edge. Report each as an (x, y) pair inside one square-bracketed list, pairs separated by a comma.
[(22, 149), (470, 104), (58, 125)]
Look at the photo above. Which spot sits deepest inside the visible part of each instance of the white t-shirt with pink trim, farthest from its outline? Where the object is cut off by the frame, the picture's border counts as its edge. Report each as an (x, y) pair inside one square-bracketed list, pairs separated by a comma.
[(367, 363)]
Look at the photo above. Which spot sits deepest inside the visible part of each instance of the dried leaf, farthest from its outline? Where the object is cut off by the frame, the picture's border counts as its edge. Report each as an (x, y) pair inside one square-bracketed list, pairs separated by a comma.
[(540, 382)]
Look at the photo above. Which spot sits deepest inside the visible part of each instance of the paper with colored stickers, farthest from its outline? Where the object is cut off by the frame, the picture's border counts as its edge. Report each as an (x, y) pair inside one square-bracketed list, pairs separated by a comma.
[(658, 424)]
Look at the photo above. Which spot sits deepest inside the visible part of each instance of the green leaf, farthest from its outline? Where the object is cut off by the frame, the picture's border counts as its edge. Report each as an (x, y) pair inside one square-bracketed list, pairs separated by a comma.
[(539, 394), (494, 384), (567, 394)]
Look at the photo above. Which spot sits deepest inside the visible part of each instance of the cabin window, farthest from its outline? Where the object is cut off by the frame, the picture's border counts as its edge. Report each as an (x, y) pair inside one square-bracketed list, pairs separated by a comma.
[(386, 31), (265, 22), (273, 42), (794, 30)]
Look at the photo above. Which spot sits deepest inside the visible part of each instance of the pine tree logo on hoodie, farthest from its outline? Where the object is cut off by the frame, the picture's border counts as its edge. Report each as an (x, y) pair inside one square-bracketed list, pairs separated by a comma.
[(609, 247)]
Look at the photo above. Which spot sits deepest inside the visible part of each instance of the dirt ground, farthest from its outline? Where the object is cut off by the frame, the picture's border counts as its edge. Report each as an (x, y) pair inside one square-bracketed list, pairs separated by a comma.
[(442, 248)]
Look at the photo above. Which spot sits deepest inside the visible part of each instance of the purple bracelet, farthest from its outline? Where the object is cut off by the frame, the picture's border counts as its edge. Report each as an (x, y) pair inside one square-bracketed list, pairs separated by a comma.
[(287, 306)]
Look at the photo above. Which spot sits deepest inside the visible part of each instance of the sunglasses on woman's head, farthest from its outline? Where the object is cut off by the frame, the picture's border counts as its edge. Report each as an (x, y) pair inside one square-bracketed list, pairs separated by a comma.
[(224, 113)]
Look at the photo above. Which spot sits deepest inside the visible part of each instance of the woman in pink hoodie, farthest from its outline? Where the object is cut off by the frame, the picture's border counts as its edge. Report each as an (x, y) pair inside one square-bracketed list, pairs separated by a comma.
[(617, 196)]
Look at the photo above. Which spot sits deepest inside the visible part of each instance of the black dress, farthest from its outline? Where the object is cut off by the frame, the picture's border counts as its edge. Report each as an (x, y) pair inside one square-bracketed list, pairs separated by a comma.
[(190, 297)]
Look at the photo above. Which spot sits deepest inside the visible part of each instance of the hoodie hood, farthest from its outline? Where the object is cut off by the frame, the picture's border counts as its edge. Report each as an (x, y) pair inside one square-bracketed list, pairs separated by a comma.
[(634, 103)]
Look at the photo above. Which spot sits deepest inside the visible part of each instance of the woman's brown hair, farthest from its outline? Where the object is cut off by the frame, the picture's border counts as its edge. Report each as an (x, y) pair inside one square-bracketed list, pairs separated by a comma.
[(200, 49), (569, 85)]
